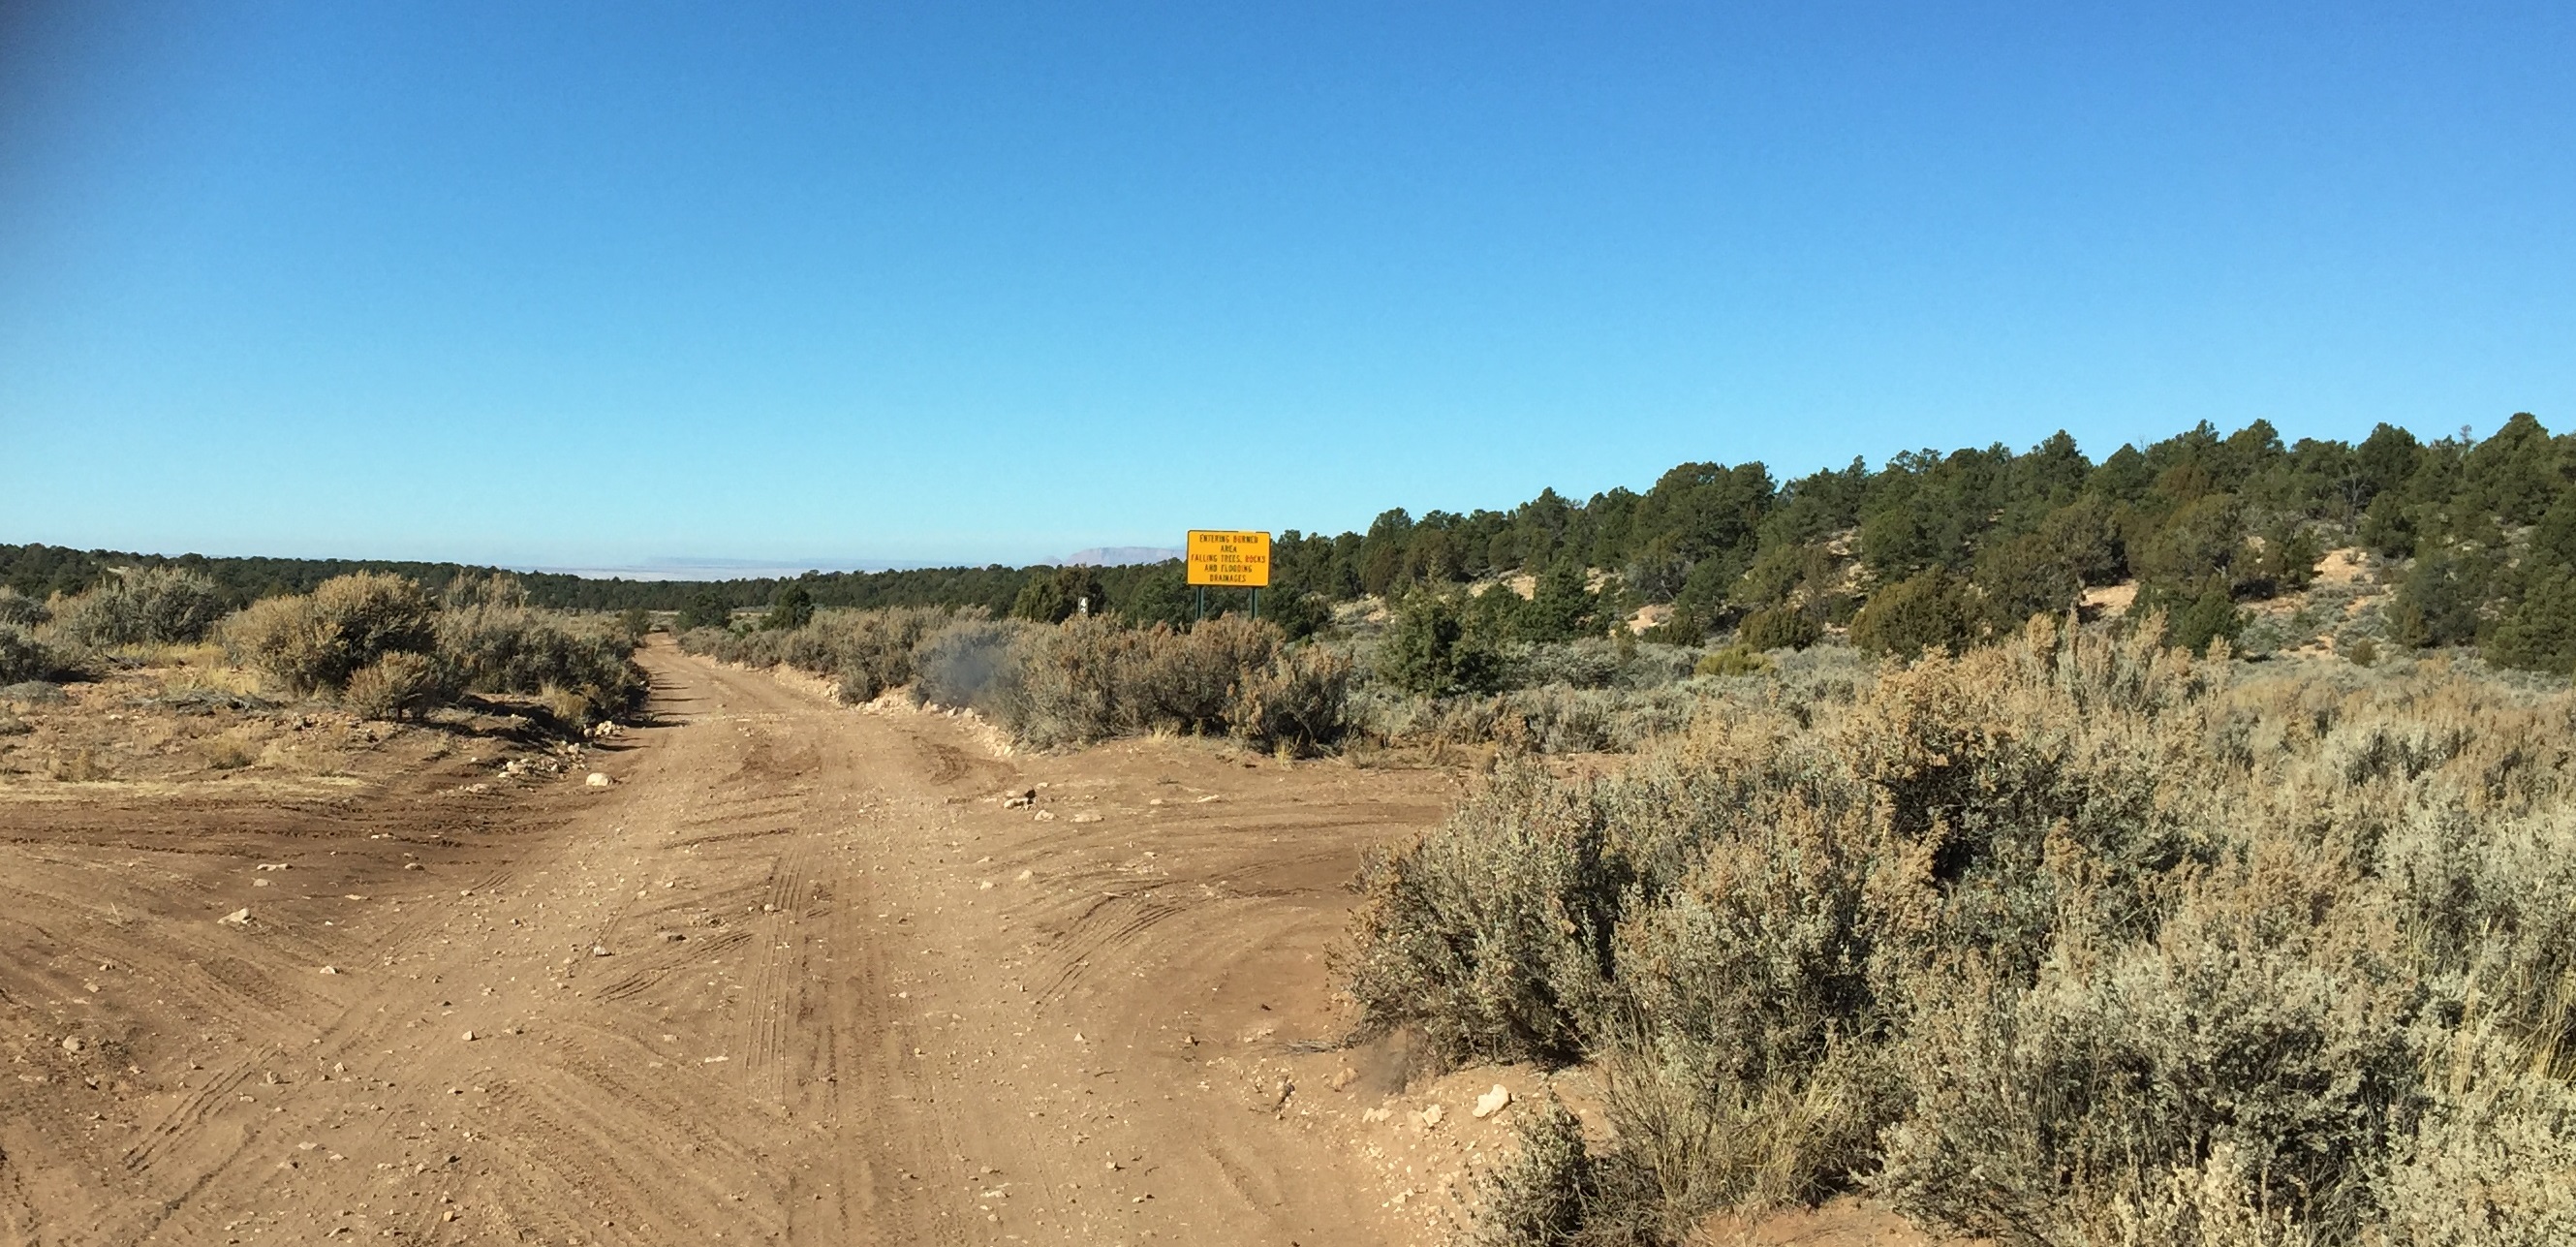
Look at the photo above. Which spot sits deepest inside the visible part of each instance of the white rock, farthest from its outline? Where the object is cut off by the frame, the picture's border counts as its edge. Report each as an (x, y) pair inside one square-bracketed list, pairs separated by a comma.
[(239, 917), (1380, 1113), (598, 779), (1046, 816), (599, 950), (1493, 1101), (469, 1036), (1431, 1117), (73, 1045), (1086, 817), (1027, 875), (330, 969)]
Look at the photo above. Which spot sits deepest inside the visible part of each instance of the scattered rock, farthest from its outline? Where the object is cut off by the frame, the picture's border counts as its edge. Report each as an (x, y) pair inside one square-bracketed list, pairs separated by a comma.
[(73, 1044), (1342, 1078), (599, 950), (411, 865), (1493, 1101), (270, 866), (1431, 1116), (1046, 816), (238, 918), (1380, 1113), (1014, 800), (598, 779)]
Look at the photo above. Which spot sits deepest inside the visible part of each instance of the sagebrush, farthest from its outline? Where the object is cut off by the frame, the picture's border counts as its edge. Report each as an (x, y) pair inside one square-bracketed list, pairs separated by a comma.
[(2076, 939)]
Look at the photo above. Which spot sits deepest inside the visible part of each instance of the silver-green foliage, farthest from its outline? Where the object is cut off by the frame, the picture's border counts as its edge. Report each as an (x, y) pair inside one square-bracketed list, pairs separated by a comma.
[(2074, 940), (142, 606)]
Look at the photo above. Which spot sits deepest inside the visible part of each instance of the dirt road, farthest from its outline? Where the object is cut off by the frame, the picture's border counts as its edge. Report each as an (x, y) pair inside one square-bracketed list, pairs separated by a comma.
[(795, 977)]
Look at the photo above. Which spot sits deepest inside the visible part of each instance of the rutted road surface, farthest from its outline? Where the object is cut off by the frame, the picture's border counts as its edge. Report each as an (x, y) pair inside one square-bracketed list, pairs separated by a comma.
[(794, 978)]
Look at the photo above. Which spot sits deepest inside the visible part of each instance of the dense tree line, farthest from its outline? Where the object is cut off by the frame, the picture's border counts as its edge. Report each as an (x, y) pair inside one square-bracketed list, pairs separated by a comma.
[(1945, 549), (1929, 548)]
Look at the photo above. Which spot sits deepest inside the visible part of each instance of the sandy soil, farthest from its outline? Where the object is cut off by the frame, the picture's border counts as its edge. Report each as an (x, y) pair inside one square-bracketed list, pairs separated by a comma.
[(798, 974)]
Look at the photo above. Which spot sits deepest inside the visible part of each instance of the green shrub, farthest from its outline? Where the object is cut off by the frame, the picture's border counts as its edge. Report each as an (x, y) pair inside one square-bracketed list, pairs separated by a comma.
[(1930, 610), (22, 656), (876, 649), (400, 685), (1429, 650), (1778, 627), (1734, 660), (17, 608), (794, 608), (312, 643), (1061, 594), (705, 609), (143, 606)]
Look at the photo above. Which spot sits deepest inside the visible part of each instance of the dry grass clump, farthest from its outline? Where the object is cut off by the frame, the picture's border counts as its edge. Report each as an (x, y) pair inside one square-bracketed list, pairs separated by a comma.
[(1595, 696), (584, 665), (141, 606), (314, 642), (867, 651), (1090, 679), (387, 649), (1084, 680), (19, 609), (400, 685), (2074, 940)]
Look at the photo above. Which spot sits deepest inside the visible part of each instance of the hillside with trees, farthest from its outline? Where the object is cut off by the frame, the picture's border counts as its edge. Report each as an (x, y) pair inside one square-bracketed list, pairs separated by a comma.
[(1929, 548)]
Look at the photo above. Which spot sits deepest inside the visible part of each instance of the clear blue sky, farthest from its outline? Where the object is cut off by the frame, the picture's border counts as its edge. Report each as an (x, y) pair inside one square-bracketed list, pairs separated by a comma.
[(555, 284)]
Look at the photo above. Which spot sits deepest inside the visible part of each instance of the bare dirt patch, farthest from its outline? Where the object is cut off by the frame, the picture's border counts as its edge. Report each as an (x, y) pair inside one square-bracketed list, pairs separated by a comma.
[(794, 974)]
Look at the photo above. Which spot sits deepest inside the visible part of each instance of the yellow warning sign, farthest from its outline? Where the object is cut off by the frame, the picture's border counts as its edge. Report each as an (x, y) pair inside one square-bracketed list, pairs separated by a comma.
[(1226, 557)]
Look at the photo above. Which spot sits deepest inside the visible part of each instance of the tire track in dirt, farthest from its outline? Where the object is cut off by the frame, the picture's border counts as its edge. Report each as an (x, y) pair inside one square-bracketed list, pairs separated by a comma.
[(792, 978)]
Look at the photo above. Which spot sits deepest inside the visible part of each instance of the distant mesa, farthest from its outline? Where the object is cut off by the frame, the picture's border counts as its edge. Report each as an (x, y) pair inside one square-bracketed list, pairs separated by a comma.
[(1118, 556)]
